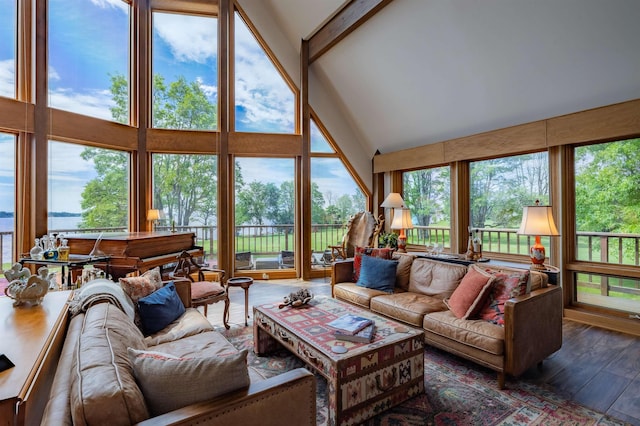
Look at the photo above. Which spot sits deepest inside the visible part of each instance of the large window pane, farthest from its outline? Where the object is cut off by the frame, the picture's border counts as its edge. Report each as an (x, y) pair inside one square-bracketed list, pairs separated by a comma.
[(185, 189), (612, 292), (89, 58), (88, 188), (426, 193), (185, 79), (7, 198), (8, 32), (499, 189), (263, 100), (265, 211), (335, 196), (607, 208)]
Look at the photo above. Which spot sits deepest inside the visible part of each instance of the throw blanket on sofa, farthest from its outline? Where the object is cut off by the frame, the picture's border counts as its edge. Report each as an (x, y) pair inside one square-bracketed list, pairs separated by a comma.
[(101, 290)]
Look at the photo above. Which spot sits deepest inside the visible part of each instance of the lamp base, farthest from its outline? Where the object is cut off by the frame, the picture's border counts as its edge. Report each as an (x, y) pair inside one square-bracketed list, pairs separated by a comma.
[(537, 254), (402, 244)]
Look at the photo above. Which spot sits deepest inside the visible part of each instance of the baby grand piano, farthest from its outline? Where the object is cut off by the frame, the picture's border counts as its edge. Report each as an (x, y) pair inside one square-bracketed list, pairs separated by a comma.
[(135, 251)]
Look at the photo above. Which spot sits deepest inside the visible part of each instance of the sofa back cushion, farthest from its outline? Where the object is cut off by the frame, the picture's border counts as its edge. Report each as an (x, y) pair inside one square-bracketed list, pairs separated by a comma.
[(435, 278), (103, 387), (403, 271)]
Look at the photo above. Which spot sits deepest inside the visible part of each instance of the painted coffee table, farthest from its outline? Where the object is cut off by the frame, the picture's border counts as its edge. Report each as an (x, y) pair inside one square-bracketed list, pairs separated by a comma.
[(367, 378)]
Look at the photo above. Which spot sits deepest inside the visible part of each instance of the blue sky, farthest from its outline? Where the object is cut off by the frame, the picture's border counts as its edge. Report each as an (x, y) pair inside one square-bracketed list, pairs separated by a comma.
[(89, 40)]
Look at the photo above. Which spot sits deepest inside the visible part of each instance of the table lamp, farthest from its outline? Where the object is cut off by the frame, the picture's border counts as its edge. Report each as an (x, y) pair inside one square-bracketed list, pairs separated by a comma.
[(402, 221), (153, 215), (537, 220)]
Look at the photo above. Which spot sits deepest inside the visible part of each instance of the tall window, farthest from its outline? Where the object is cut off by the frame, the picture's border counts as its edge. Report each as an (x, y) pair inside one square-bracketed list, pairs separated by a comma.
[(607, 190), (185, 71), (263, 100), (8, 31), (7, 197), (265, 211), (335, 196), (185, 189), (427, 194), (499, 189), (88, 188), (89, 58)]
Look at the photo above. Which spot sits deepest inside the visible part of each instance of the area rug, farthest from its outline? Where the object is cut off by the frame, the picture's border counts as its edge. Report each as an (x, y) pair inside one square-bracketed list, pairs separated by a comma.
[(457, 392)]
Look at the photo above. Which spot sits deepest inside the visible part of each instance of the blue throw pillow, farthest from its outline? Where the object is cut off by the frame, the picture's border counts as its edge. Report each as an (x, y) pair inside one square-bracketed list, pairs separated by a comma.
[(160, 308), (378, 274)]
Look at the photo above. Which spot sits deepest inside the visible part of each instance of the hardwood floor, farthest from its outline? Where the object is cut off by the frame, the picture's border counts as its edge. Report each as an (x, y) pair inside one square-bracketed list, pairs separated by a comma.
[(595, 367)]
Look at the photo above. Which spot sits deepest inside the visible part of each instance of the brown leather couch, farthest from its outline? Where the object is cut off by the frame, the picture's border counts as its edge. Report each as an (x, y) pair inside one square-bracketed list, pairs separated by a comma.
[(102, 334), (532, 323)]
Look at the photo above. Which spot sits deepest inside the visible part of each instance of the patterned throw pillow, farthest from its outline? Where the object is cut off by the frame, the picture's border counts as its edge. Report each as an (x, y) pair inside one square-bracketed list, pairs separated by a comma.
[(139, 287), (382, 253), (506, 284)]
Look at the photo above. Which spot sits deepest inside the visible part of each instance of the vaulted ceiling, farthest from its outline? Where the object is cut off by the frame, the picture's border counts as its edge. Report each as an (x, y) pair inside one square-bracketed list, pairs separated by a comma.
[(424, 71)]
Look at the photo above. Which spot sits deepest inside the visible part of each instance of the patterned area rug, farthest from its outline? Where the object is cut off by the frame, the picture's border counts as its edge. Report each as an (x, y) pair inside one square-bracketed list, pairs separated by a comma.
[(457, 392)]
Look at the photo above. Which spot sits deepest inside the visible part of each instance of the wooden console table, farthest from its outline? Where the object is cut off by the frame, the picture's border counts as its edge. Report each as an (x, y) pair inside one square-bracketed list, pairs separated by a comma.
[(32, 338)]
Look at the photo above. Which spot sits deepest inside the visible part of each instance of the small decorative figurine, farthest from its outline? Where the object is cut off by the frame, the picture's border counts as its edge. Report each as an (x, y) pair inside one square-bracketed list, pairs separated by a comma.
[(297, 299), (26, 288)]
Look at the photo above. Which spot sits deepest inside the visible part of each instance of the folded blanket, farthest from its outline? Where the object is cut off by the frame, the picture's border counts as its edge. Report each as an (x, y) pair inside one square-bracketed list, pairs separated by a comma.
[(101, 290)]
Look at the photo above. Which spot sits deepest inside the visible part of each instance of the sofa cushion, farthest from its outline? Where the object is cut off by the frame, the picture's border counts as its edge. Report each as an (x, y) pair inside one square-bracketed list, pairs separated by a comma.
[(160, 308), (357, 295), (378, 274), (403, 270), (505, 286), (407, 306), (103, 388), (479, 334), (382, 253), (468, 298), (435, 278), (190, 323), (169, 383)]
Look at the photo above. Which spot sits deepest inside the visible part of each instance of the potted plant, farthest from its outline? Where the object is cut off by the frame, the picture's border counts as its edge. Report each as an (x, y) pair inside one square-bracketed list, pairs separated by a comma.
[(388, 239)]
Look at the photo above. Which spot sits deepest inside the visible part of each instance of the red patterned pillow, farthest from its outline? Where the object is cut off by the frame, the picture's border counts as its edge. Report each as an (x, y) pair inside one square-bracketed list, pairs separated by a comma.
[(506, 285), (382, 253)]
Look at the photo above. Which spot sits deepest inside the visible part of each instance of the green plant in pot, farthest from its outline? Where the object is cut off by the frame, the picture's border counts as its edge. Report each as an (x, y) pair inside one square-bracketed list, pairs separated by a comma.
[(388, 239)]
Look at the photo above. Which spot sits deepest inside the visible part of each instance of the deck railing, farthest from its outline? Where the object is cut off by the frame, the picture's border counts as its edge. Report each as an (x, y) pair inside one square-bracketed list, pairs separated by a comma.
[(270, 240)]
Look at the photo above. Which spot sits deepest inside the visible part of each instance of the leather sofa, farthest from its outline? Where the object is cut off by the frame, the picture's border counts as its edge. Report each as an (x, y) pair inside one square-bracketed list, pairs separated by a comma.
[(103, 389), (532, 328)]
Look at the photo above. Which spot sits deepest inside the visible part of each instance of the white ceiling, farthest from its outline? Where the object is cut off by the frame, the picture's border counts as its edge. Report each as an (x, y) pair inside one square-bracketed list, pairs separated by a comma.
[(423, 71)]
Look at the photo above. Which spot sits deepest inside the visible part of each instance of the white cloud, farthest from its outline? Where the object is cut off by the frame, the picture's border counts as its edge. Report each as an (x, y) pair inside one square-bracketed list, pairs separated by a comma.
[(209, 90), (191, 38), (95, 103), (108, 4), (7, 78), (53, 74)]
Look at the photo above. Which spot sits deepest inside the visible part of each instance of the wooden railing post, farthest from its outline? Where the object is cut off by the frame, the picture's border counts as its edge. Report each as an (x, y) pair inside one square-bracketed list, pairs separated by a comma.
[(604, 258)]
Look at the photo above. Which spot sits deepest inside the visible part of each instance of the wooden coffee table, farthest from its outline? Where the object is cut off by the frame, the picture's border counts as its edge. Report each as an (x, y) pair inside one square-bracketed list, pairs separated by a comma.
[(365, 380)]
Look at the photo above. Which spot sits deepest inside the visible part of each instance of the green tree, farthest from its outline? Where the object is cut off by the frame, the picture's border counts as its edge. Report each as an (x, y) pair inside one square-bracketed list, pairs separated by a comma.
[(184, 185), (608, 187)]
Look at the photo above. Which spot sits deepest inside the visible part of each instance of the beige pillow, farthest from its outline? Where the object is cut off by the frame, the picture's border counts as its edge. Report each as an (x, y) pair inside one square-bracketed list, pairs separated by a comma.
[(169, 383)]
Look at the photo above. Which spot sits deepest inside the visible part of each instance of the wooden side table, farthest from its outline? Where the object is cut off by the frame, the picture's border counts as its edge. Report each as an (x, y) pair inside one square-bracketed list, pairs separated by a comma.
[(244, 283)]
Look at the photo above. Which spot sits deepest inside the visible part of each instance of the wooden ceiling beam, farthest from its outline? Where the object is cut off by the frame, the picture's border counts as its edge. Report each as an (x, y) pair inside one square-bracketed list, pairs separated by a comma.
[(350, 17)]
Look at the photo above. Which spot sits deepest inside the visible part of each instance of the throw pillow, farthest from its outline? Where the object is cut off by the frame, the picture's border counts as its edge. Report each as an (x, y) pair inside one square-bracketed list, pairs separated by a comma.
[(143, 285), (169, 383), (468, 298), (378, 274), (382, 253), (160, 308), (506, 285)]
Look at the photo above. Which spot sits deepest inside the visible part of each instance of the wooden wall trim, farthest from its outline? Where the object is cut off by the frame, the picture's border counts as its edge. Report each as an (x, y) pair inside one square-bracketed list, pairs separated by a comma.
[(71, 127), (610, 122), (408, 159), (174, 141), (618, 121), (265, 144), (16, 116)]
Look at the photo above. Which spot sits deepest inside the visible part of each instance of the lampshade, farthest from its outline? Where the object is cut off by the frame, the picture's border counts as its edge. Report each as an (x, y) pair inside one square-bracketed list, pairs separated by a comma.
[(153, 214), (537, 220), (393, 200), (401, 219)]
